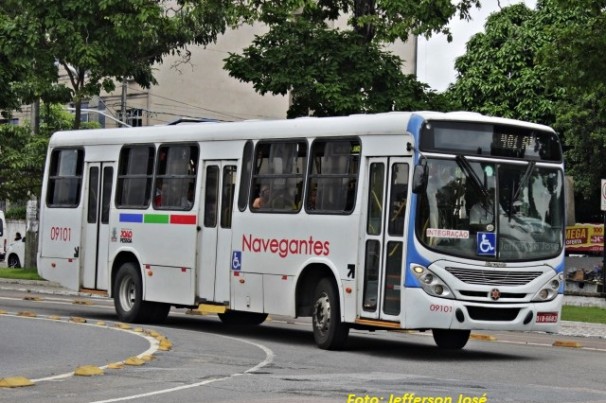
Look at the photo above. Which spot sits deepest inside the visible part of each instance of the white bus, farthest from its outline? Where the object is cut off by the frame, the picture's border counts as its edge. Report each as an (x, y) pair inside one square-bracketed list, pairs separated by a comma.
[(447, 222)]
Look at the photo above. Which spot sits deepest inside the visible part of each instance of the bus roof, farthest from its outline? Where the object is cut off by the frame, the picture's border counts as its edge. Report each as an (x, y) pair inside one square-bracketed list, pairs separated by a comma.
[(352, 125)]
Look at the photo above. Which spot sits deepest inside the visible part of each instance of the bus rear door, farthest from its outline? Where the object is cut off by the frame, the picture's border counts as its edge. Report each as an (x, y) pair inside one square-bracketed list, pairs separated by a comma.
[(383, 238), (95, 242), (214, 254)]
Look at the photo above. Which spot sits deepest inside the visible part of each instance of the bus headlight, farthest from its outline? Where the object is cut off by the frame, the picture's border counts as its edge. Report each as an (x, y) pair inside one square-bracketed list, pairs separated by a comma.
[(550, 290), (430, 282)]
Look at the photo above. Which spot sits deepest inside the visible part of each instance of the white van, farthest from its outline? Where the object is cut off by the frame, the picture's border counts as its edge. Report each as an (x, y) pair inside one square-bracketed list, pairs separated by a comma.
[(3, 236)]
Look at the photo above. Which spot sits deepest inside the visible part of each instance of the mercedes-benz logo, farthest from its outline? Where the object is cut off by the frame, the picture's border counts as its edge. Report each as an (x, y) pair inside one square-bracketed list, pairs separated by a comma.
[(495, 294)]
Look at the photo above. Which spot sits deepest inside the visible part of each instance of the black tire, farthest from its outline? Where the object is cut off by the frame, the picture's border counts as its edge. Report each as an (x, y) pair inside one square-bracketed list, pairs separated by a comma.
[(128, 298), (239, 318), (13, 262), (329, 332), (451, 339)]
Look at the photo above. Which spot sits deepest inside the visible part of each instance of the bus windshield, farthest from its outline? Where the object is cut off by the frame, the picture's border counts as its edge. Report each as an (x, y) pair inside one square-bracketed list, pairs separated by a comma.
[(493, 210)]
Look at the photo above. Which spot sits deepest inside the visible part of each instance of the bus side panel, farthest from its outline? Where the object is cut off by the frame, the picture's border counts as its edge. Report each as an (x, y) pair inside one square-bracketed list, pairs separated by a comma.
[(281, 246), (165, 241), (59, 246)]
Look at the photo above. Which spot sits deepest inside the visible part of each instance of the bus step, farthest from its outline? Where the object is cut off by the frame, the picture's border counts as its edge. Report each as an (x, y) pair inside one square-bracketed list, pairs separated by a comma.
[(378, 323), (208, 308)]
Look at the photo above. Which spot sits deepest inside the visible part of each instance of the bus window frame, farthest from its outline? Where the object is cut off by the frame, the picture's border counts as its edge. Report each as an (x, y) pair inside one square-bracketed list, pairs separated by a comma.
[(53, 176), (354, 141)]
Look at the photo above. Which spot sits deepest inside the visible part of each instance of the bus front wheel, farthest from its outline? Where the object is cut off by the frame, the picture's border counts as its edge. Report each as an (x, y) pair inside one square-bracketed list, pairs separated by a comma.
[(128, 298), (451, 339), (329, 332)]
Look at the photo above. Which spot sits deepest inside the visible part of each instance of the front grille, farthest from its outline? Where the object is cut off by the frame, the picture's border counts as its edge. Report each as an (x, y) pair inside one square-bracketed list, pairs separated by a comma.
[(493, 277), (484, 294), (493, 314)]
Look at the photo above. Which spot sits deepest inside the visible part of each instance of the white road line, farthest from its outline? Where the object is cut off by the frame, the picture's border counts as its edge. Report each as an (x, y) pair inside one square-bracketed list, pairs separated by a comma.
[(153, 343), (269, 357)]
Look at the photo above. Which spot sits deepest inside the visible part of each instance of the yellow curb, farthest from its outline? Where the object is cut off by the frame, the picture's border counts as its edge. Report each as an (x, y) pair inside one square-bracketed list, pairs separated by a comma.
[(88, 370), (147, 357), (54, 317), (138, 330), (484, 337), (2, 312), (165, 345), (82, 302), (116, 365), (15, 382), (101, 323), (27, 314), (76, 319), (136, 361), (155, 334), (123, 326), (195, 312), (32, 299), (567, 343)]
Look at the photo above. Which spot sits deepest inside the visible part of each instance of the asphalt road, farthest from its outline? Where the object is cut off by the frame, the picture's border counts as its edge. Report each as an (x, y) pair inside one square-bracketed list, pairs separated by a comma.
[(275, 362)]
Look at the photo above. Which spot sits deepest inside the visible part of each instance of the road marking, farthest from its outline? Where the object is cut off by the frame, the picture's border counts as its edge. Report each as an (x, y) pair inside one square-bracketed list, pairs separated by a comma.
[(269, 357), (154, 344)]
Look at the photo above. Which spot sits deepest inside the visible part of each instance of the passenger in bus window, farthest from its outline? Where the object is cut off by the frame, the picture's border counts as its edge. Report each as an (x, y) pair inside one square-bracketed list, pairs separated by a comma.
[(188, 201), (263, 198), (158, 194), (312, 198)]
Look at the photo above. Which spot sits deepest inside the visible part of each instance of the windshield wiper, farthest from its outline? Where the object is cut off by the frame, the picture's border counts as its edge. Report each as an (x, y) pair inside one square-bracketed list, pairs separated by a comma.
[(472, 176), (523, 183)]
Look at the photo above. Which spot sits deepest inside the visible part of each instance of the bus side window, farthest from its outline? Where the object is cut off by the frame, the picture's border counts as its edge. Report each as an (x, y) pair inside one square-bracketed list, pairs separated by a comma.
[(277, 176), (176, 170), (65, 178), (333, 176)]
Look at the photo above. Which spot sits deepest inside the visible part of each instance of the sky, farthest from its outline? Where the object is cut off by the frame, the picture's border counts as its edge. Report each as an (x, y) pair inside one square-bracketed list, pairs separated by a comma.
[(436, 57)]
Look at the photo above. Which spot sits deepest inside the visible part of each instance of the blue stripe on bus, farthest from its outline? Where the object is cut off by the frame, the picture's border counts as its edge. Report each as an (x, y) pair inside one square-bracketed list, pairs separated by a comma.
[(126, 217)]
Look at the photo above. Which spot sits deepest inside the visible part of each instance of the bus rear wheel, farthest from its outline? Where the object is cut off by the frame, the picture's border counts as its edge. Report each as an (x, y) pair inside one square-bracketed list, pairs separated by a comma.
[(235, 318), (451, 339), (329, 332), (128, 298), (13, 262)]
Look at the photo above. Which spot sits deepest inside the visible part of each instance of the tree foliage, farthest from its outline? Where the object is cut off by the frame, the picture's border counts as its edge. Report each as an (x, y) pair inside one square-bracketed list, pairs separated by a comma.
[(330, 67), (96, 43), (500, 74), (545, 65), (24, 153)]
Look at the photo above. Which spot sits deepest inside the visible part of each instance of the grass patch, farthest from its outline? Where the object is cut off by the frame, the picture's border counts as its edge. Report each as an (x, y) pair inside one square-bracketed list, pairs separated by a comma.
[(20, 274), (584, 314)]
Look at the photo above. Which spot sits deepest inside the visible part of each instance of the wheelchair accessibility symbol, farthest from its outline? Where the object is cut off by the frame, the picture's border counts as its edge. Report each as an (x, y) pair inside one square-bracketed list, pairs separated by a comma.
[(236, 260), (486, 242)]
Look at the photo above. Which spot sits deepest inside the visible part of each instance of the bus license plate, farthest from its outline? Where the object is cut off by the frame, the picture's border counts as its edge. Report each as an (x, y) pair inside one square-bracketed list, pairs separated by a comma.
[(547, 317)]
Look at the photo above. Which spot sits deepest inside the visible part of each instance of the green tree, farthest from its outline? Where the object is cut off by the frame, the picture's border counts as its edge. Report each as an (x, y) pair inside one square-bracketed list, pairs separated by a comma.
[(576, 64), (500, 74), (336, 71), (531, 65), (23, 153), (97, 43)]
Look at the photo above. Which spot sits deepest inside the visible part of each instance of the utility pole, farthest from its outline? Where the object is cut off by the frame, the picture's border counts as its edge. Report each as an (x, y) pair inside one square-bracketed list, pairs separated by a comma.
[(123, 111)]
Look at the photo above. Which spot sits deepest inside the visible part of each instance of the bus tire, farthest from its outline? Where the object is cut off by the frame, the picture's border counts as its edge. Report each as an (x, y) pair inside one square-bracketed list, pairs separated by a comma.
[(239, 318), (13, 262), (128, 298), (329, 332), (451, 339)]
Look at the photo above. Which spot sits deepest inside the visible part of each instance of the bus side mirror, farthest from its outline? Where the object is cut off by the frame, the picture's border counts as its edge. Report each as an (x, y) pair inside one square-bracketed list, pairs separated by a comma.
[(419, 178)]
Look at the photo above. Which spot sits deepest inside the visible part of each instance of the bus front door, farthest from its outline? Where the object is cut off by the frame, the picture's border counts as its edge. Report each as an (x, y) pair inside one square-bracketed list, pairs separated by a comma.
[(95, 242), (214, 255), (383, 238)]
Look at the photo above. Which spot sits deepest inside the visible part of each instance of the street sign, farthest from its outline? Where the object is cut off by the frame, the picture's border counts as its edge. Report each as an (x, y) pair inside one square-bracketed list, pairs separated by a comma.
[(603, 194)]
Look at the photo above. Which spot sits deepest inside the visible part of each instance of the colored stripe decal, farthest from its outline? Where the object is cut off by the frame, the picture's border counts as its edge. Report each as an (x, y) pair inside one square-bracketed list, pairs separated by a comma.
[(189, 219), (156, 219), (125, 217), (182, 219)]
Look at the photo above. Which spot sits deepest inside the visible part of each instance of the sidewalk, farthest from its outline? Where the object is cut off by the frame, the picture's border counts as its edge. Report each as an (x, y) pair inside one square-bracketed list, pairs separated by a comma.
[(577, 329)]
